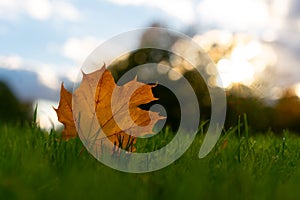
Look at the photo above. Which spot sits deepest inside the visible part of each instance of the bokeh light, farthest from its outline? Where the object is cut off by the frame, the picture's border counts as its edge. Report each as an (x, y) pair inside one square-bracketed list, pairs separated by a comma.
[(240, 58)]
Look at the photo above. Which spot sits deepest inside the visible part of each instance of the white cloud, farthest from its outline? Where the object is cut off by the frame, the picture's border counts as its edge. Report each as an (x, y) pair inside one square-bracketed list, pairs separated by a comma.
[(181, 9), (66, 11), (48, 74), (9, 8), (11, 62), (235, 14), (39, 9), (77, 49)]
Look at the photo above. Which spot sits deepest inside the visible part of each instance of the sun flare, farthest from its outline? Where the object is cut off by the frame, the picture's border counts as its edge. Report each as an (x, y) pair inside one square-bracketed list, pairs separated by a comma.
[(239, 58)]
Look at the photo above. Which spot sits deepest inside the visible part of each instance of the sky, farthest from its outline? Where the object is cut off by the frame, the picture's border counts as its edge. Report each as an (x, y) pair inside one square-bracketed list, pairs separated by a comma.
[(45, 42)]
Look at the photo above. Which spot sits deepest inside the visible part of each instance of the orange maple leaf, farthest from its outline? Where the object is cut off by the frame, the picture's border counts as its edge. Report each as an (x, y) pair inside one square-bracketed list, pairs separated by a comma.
[(105, 112), (64, 114)]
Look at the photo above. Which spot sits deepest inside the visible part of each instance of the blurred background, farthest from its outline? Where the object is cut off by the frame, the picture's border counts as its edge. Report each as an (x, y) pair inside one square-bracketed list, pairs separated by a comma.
[(255, 45)]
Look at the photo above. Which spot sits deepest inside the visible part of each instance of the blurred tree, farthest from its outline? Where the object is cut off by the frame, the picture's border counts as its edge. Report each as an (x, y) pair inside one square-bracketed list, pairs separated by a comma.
[(11, 110), (166, 97), (287, 112), (241, 99)]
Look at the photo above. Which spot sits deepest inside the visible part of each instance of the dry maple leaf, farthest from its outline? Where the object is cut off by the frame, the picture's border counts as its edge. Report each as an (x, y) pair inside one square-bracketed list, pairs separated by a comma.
[(64, 114), (106, 113), (118, 112)]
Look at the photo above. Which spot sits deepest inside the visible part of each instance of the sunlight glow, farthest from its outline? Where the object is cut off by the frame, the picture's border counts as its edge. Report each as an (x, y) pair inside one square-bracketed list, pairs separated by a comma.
[(297, 89), (235, 72), (240, 58)]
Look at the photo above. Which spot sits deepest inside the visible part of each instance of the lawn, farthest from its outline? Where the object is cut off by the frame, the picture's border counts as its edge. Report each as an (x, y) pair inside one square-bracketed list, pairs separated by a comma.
[(243, 165)]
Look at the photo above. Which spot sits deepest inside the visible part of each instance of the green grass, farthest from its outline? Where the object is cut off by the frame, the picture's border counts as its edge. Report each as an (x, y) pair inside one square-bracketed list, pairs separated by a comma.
[(37, 165)]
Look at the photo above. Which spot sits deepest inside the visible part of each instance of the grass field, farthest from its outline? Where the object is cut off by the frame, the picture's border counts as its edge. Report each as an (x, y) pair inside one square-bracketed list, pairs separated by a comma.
[(37, 165)]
